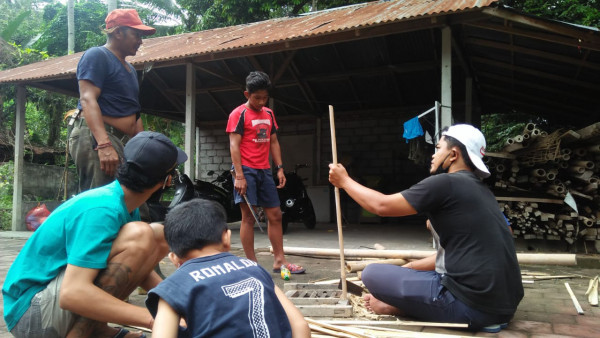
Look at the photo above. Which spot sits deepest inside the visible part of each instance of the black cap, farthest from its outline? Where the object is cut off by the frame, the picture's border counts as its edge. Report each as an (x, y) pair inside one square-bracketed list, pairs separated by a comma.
[(153, 153)]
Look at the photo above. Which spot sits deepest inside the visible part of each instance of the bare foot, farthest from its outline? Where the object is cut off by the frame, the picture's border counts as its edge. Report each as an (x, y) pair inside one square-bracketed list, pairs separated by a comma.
[(376, 306)]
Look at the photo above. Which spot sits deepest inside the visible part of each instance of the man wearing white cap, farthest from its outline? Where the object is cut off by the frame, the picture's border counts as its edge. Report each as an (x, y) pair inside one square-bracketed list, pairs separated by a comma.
[(474, 277)]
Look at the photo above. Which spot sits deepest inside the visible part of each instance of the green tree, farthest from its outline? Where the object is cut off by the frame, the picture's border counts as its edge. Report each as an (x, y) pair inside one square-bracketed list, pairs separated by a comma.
[(20, 20), (208, 14), (583, 12), (89, 20)]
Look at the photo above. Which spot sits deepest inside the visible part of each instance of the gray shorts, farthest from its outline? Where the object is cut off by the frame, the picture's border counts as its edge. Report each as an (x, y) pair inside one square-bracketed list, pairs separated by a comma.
[(45, 318)]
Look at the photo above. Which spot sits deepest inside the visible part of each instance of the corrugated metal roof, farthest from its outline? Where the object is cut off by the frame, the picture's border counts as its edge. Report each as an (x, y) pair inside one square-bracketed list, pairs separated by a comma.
[(167, 48)]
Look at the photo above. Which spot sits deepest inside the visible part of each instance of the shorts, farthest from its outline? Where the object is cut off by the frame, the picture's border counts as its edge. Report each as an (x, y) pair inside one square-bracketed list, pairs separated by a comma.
[(45, 318), (421, 295), (261, 189)]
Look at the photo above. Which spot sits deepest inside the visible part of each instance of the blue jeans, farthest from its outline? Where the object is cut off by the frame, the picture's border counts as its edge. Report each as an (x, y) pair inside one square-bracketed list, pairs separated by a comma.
[(420, 294)]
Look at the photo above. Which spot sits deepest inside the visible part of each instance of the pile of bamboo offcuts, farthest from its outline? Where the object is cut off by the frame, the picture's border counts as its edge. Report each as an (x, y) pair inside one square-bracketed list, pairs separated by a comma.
[(546, 183)]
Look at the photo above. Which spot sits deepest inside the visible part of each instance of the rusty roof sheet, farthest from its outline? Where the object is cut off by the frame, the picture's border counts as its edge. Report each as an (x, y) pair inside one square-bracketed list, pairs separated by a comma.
[(168, 48)]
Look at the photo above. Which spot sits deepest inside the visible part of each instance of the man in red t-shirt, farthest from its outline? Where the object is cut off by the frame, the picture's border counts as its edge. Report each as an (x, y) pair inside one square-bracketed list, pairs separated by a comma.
[(252, 134)]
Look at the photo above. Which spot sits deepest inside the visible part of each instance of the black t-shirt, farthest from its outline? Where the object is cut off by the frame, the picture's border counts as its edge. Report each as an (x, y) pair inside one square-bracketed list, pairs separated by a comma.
[(476, 254)]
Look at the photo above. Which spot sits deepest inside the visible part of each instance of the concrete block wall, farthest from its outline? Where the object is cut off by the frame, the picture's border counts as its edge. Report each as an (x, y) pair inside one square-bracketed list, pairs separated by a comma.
[(214, 151), (368, 144)]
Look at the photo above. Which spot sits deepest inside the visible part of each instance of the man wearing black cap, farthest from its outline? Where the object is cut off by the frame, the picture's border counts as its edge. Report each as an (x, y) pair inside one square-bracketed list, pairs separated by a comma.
[(72, 275), (474, 277), (109, 109)]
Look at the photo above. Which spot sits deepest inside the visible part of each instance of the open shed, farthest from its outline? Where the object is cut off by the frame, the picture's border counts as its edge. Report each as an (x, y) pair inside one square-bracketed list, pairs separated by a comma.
[(378, 63)]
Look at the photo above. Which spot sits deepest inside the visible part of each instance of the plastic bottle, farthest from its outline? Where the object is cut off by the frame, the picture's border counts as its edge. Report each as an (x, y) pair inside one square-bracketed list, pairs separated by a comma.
[(285, 273)]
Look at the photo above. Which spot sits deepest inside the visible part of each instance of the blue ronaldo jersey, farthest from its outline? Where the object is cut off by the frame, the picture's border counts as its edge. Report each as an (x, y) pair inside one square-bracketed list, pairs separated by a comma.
[(223, 296)]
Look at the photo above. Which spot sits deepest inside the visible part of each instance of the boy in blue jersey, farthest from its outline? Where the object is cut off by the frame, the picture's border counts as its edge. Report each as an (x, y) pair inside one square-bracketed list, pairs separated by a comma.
[(73, 273), (216, 293)]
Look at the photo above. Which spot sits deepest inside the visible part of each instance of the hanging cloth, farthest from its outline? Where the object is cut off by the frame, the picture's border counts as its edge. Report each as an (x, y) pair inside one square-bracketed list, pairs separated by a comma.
[(412, 129)]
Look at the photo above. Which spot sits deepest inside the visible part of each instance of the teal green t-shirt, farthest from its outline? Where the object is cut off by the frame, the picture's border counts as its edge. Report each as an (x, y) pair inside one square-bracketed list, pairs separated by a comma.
[(80, 232)]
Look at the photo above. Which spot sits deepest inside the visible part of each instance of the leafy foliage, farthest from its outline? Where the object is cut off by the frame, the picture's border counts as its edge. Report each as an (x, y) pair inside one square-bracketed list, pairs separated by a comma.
[(6, 191), (208, 14), (88, 27), (19, 20), (583, 12), (497, 128), (172, 129)]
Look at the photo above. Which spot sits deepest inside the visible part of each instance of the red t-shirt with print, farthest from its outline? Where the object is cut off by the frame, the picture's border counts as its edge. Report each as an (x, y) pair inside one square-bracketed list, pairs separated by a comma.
[(256, 129)]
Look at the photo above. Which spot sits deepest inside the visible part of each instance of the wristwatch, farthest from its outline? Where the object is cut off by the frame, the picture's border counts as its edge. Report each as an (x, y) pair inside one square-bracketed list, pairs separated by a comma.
[(280, 166)]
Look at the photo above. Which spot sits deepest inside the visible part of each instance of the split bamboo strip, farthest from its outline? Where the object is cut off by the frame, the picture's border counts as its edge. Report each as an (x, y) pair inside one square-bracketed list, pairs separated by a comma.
[(328, 332), (312, 322), (574, 299), (550, 277), (393, 322), (360, 265), (334, 281), (381, 332), (523, 258)]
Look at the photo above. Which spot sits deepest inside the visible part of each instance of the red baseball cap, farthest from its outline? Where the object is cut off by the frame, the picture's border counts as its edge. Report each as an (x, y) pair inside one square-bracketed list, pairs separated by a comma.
[(127, 17)]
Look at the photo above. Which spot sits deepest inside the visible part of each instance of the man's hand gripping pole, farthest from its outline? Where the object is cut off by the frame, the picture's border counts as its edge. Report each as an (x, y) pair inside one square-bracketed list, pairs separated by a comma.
[(249, 205)]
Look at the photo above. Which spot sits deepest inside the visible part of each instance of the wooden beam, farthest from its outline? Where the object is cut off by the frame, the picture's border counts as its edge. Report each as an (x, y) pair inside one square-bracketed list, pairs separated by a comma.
[(162, 87), (327, 39), (43, 86), (220, 75), (534, 52), (548, 37), (539, 87), (525, 70), (553, 27), (217, 103), (525, 97), (529, 199), (289, 57)]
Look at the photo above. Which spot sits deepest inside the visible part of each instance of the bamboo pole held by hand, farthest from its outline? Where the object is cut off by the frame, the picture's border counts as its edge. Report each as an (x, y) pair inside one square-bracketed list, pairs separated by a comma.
[(338, 212)]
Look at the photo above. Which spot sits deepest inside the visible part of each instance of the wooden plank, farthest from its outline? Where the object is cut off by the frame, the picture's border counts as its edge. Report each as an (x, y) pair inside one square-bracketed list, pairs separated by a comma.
[(529, 199), (574, 299), (335, 311), (501, 155), (393, 323)]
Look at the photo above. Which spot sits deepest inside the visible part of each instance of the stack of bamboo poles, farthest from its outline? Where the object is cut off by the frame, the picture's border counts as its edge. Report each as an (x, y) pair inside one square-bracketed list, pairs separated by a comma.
[(557, 165)]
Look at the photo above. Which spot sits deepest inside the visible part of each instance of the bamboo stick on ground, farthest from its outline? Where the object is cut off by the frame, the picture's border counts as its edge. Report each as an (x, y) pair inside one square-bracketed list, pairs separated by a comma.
[(312, 323), (524, 258), (393, 322), (328, 332), (360, 265), (574, 299)]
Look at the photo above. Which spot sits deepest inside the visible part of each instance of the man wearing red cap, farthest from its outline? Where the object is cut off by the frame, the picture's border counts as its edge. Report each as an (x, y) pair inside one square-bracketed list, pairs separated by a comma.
[(474, 277), (108, 110)]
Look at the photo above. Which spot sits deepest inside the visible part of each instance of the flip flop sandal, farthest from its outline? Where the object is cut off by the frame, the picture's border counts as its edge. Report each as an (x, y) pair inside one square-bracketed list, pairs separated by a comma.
[(123, 332), (494, 328), (294, 269)]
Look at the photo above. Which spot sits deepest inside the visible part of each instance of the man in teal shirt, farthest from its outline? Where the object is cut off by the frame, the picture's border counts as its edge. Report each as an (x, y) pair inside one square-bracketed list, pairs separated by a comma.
[(72, 275)]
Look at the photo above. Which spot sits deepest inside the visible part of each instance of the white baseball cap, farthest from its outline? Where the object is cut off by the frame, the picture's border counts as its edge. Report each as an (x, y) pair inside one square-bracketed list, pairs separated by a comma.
[(474, 141)]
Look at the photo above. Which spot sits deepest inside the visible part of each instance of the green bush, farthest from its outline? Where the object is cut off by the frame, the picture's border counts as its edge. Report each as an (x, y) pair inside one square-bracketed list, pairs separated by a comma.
[(6, 192)]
